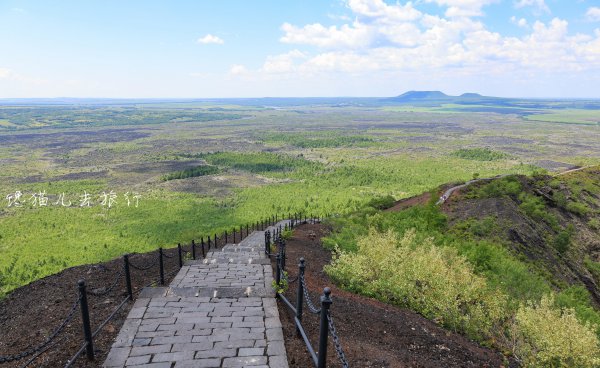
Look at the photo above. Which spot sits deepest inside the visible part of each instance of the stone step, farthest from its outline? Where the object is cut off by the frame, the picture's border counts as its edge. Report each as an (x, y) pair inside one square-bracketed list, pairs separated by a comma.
[(204, 292), (217, 312)]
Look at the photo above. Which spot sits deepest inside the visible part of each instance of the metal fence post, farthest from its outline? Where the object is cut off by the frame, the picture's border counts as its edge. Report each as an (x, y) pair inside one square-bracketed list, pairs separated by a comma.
[(300, 293), (127, 276), (85, 318), (193, 249), (324, 328), (267, 242), (225, 236), (202, 246), (180, 255), (162, 266), (247, 230), (283, 256), (277, 274), (215, 242)]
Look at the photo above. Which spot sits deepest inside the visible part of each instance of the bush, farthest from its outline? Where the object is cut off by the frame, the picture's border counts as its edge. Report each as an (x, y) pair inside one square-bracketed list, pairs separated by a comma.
[(562, 241), (509, 185), (577, 208), (382, 203), (434, 281), (546, 336), (535, 208), (192, 172), (480, 154)]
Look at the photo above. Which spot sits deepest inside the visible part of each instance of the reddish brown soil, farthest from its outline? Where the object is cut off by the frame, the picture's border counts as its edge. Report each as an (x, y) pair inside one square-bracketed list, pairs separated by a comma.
[(373, 334), (31, 313)]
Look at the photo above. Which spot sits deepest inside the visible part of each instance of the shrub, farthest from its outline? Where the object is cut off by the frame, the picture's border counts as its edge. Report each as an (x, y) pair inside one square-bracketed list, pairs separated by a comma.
[(535, 208), (577, 208), (546, 336), (434, 281), (479, 154), (192, 172), (509, 185), (382, 202), (560, 198), (562, 241)]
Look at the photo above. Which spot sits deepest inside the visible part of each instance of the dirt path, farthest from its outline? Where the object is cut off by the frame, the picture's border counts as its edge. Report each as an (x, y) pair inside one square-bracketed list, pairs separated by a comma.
[(450, 191), (574, 170)]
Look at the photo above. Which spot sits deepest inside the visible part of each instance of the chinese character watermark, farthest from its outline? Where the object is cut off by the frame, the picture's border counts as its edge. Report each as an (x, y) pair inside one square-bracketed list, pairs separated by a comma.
[(108, 199)]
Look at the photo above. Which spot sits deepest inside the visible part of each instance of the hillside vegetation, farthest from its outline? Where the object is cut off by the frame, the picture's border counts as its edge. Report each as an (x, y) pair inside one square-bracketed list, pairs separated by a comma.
[(512, 263)]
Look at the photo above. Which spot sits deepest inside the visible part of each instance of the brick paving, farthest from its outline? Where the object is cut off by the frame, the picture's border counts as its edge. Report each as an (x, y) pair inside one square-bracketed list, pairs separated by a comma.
[(217, 312)]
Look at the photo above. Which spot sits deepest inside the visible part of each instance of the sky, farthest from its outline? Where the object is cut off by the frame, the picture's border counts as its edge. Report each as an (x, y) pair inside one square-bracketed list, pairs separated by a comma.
[(298, 48)]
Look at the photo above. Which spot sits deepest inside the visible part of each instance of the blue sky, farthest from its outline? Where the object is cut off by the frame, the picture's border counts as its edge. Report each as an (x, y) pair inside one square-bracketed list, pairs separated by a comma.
[(226, 48)]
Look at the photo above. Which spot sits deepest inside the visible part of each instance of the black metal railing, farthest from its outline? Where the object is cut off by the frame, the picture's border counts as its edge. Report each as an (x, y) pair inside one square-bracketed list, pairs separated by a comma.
[(125, 274), (326, 323)]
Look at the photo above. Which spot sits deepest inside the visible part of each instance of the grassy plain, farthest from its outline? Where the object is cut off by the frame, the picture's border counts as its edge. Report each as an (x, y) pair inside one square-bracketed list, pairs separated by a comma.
[(312, 158)]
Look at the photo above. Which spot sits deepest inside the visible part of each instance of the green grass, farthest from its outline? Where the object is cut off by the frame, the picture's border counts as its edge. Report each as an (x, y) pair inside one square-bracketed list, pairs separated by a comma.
[(568, 116), (318, 159), (80, 235)]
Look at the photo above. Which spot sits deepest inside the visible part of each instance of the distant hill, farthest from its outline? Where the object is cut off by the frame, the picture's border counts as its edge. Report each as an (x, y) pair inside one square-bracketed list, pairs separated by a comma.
[(435, 97), (422, 95), (471, 95)]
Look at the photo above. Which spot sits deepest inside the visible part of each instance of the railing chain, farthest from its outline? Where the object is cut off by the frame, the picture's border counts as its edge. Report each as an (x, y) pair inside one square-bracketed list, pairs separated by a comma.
[(26, 353), (109, 289), (143, 268), (311, 307), (336, 341)]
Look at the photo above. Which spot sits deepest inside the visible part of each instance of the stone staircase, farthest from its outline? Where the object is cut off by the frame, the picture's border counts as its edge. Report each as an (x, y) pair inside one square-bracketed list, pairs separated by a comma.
[(217, 312)]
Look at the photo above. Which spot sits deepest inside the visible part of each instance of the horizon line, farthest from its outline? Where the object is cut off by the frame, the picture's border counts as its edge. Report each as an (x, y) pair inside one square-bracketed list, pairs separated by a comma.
[(285, 97)]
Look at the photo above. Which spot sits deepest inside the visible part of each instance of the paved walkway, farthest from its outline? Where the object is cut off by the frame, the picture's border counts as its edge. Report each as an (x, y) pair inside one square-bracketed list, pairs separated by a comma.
[(217, 312)]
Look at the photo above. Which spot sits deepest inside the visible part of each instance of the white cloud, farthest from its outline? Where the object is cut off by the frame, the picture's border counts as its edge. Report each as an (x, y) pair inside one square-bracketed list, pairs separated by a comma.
[(377, 9), (238, 70), (392, 38), (539, 5), (6, 73), (593, 14), (522, 22), (355, 35), (208, 39), (283, 63), (376, 23), (463, 8)]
